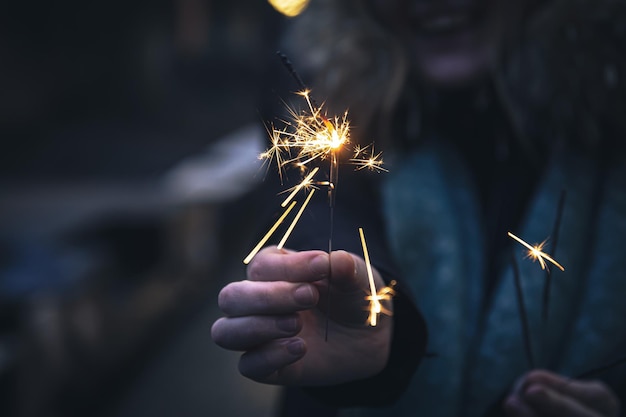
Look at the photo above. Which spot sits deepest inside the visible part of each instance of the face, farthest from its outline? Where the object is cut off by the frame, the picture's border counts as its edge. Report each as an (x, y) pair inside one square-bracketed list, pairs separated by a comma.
[(452, 42)]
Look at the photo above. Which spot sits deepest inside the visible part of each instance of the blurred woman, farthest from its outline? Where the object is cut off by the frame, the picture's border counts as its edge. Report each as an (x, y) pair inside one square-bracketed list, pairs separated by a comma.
[(488, 111)]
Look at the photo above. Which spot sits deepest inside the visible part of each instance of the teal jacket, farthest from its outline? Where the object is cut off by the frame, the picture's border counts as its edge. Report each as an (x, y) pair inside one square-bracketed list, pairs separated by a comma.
[(435, 231)]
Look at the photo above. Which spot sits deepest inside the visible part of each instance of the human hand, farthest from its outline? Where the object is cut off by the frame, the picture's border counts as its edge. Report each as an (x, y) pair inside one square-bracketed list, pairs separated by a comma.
[(277, 317), (541, 393)]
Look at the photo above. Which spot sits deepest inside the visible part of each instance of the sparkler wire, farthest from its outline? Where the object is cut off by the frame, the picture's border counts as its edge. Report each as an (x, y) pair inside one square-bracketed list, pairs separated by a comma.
[(522, 313), (555, 237)]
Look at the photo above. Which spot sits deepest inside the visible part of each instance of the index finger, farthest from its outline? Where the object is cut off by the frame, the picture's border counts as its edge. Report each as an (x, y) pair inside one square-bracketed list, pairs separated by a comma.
[(594, 394), (272, 264)]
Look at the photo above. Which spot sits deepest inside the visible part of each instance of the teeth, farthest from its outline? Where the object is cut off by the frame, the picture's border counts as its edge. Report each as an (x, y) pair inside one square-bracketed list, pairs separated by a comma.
[(445, 23)]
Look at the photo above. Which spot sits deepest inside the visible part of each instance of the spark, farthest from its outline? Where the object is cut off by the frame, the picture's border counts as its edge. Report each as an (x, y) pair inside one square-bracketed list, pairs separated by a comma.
[(305, 183), (270, 232), (386, 293), (370, 160), (307, 138), (310, 132), (536, 253)]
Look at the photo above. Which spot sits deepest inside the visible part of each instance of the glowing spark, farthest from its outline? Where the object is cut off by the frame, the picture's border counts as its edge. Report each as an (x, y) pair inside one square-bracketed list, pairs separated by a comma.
[(289, 8), (536, 253), (295, 220), (259, 245), (375, 297), (309, 134), (306, 182), (370, 160)]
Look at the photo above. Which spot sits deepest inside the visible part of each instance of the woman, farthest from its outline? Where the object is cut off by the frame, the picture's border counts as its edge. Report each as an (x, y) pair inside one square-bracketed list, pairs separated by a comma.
[(488, 111)]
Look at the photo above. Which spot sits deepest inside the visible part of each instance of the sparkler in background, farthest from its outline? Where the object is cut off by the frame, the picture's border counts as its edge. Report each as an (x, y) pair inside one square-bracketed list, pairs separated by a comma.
[(289, 8), (536, 253)]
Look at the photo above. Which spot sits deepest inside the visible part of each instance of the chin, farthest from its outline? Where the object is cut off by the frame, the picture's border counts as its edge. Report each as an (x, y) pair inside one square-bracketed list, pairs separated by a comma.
[(453, 64), (453, 71)]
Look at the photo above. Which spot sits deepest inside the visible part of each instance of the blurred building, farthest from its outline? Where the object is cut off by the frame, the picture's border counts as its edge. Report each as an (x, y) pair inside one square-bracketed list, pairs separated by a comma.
[(129, 131)]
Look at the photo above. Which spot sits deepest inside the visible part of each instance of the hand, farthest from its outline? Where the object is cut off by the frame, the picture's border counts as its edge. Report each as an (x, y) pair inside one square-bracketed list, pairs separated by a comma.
[(545, 394), (278, 319)]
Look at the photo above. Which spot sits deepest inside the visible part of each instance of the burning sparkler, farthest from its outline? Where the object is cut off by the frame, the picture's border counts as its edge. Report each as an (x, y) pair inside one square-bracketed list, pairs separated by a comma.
[(308, 137), (536, 253)]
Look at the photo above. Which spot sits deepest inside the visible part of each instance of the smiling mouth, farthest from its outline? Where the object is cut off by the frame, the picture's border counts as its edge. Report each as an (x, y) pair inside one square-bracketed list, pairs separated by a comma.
[(444, 24), (443, 21)]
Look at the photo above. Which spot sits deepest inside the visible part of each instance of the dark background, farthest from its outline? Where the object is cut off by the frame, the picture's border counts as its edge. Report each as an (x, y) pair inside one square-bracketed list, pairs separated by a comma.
[(108, 276)]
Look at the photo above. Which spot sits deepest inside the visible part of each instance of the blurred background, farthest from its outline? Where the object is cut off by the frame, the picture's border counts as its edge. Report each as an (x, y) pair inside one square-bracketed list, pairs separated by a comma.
[(128, 186)]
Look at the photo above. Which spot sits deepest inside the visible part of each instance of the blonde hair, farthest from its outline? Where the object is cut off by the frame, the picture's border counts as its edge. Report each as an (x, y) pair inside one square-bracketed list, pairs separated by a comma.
[(567, 46), (353, 64)]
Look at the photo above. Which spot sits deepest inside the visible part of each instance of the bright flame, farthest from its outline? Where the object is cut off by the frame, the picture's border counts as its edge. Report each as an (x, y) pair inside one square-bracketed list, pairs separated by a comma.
[(307, 137), (536, 253), (289, 8), (375, 308)]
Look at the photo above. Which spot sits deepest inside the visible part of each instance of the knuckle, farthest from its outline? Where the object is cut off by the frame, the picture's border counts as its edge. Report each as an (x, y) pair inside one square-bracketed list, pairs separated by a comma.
[(256, 269)]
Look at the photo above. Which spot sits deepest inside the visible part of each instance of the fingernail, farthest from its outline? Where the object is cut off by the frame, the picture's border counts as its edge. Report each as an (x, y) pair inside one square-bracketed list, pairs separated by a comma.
[(295, 347), (319, 266), (287, 324), (304, 295)]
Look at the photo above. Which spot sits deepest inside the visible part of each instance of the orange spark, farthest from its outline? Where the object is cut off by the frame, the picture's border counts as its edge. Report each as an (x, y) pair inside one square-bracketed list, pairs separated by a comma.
[(375, 297), (536, 253), (370, 160)]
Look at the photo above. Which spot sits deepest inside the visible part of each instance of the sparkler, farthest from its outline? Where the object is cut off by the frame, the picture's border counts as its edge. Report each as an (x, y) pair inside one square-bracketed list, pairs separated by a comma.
[(308, 137), (536, 253)]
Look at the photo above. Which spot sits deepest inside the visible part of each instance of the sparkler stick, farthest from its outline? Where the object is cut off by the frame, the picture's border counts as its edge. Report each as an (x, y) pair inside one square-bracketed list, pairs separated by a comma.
[(555, 237), (528, 349)]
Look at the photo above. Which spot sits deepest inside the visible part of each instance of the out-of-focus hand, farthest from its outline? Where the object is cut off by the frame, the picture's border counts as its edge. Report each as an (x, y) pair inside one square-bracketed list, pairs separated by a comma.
[(541, 393), (277, 317)]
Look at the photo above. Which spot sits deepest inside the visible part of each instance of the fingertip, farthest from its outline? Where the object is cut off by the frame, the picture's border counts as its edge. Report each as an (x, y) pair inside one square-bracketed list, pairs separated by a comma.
[(320, 266), (536, 393), (296, 347), (514, 406), (344, 265), (306, 295)]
